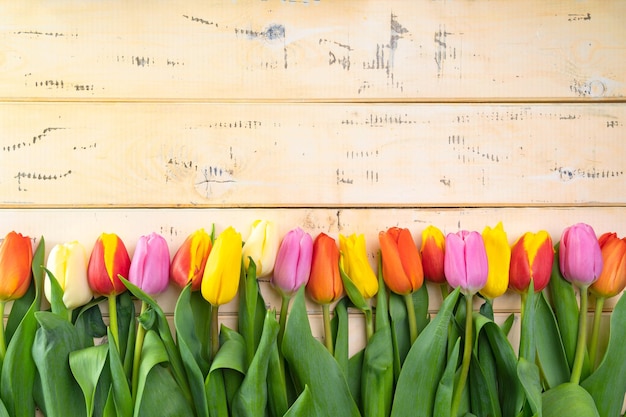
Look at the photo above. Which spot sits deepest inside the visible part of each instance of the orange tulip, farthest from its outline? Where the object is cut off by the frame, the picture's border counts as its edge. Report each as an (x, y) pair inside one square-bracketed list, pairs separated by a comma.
[(612, 279), (108, 259), (16, 257), (531, 257), (190, 260), (402, 265), (325, 284), (433, 244)]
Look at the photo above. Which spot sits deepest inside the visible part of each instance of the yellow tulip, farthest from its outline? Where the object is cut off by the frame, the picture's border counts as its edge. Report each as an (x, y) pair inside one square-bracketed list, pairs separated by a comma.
[(356, 266), (498, 259), (220, 281)]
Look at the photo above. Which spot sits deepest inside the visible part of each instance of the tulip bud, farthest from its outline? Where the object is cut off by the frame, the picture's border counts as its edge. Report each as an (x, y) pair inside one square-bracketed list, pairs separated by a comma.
[(150, 266), (465, 262), (190, 259), (16, 257), (261, 246), (68, 263), (109, 258), (499, 259), (220, 281), (612, 279), (402, 266), (354, 262), (531, 258), (433, 244), (580, 257), (293, 262), (325, 285)]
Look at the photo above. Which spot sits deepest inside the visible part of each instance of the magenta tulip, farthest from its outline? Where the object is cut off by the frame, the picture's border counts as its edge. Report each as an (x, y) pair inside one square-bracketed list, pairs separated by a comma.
[(580, 256), (293, 262), (150, 266), (465, 261)]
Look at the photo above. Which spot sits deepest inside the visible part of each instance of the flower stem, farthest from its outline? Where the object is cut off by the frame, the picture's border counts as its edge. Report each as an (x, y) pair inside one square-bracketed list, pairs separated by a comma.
[(3, 343), (215, 341), (369, 324), (282, 320), (595, 332), (113, 321), (467, 355), (141, 333), (582, 333), (328, 336), (410, 312)]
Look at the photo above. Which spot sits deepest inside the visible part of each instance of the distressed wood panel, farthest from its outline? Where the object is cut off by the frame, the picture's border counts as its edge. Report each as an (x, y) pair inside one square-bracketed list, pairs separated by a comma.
[(325, 50), (303, 155)]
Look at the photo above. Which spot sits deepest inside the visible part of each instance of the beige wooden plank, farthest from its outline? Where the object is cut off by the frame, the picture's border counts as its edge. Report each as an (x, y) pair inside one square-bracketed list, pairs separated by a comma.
[(363, 50), (84, 225), (303, 155)]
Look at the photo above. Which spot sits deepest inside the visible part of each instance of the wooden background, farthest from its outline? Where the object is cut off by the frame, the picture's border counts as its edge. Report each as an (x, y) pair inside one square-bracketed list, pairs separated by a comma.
[(337, 116)]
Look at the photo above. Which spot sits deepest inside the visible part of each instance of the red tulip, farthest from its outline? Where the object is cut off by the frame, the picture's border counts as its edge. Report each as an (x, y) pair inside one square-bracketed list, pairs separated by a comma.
[(433, 244), (109, 258), (190, 260), (531, 258)]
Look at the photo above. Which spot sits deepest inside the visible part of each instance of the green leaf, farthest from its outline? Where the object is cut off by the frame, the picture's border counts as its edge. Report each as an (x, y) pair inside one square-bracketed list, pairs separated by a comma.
[(56, 297), (152, 353), (489, 368), (251, 312), (120, 388), (607, 385), (482, 390), (508, 324), (3, 410), (304, 406), (445, 389), (528, 374), (399, 331), (86, 366), (251, 399), (527, 346), (163, 396), (126, 320), (319, 371), (355, 367), (216, 393), (569, 400), (342, 336), (54, 340), (89, 323), (353, 292), (278, 399), (550, 352), (424, 365)]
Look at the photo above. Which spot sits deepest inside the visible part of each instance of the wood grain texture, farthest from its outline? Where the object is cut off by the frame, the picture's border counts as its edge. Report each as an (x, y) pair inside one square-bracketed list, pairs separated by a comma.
[(311, 155), (323, 50)]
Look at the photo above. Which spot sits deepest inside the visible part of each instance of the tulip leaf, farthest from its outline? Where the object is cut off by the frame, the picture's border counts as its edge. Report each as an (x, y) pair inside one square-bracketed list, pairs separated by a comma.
[(56, 296), (304, 406), (424, 365), (353, 292), (487, 363), (445, 389), (528, 374), (277, 383), (251, 312), (55, 339), (341, 345), (3, 410), (320, 370), (232, 353), (508, 324), (86, 366), (550, 352), (399, 331), (607, 385), (569, 400), (152, 353), (163, 397), (483, 391), (120, 389), (251, 399), (527, 346), (216, 393)]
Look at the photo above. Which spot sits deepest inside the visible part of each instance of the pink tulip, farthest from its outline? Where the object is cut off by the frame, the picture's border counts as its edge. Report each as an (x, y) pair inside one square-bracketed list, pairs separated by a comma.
[(149, 268), (580, 256), (293, 262), (465, 261)]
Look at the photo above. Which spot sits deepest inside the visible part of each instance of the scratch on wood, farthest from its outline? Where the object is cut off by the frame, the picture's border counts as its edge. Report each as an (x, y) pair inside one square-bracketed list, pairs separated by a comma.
[(38, 177), (35, 139)]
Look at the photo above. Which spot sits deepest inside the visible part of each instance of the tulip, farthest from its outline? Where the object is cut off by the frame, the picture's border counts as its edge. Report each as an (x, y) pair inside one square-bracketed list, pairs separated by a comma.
[(325, 285), (465, 262), (580, 256), (433, 244), (402, 266), (293, 262), (16, 257), (190, 259), (499, 259), (261, 246), (68, 264), (221, 277), (465, 266), (108, 259), (611, 282), (402, 269), (531, 258), (149, 268), (353, 261)]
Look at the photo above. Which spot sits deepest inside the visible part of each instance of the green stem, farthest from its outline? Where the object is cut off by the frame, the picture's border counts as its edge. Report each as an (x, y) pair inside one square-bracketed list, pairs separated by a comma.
[(215, 337), (282, 320), (141, 332), (410, 311), (582, 333), (369, 324), (3, 343), (328, 335), (595, 332), (113, 321), (467, 355), (523, 296)]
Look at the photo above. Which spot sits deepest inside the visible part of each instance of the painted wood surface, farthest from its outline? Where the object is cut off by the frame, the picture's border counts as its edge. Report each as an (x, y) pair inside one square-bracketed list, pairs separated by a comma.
[(306, 155), (308, 49)]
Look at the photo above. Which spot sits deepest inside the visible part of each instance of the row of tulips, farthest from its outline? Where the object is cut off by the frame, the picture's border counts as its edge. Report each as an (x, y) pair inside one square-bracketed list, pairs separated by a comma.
[(458, 363)]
